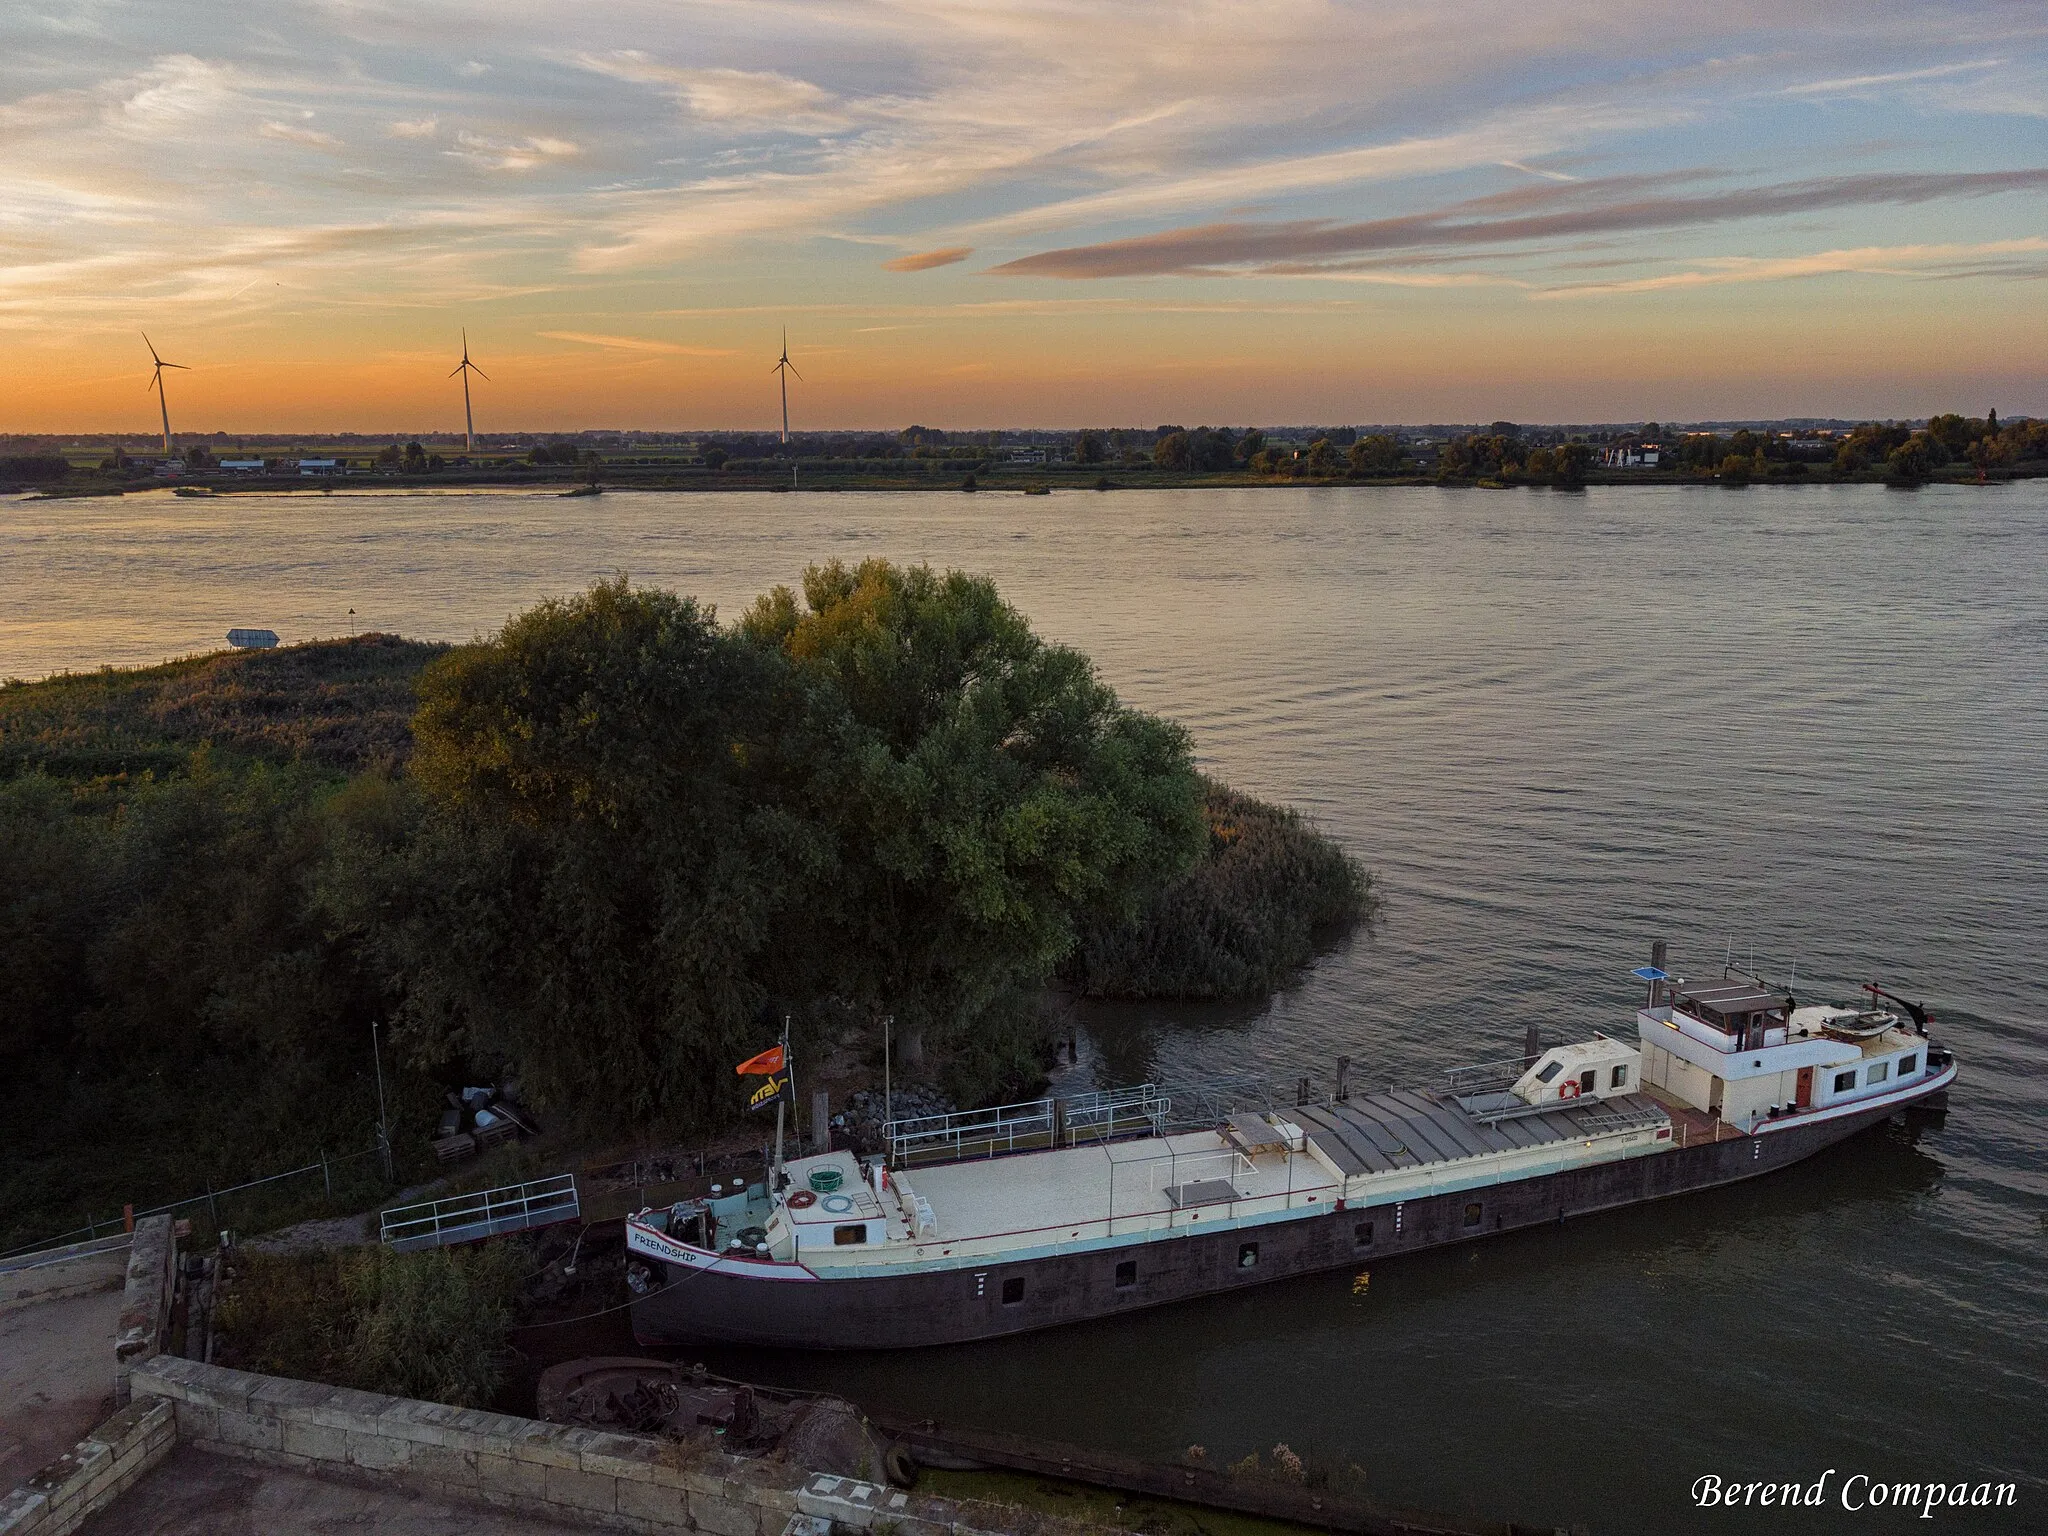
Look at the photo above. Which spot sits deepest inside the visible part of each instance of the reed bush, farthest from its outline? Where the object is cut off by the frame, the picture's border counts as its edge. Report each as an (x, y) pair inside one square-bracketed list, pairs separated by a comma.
[(1269, 890), (430, 1325)]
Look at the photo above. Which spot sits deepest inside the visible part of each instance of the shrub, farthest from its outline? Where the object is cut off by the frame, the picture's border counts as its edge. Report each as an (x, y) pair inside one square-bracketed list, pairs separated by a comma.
[(1252, 911), (427, 1325)]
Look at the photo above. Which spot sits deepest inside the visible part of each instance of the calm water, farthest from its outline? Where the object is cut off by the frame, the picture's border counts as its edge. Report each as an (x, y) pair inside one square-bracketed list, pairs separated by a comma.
[(1810, 722)]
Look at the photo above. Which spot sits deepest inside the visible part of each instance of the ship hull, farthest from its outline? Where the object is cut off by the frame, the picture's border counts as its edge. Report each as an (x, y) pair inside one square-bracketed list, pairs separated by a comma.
[(955, 1306)]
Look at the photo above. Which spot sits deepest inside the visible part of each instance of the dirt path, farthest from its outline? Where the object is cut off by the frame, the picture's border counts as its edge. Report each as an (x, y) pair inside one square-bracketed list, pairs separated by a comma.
[(57, 1327)]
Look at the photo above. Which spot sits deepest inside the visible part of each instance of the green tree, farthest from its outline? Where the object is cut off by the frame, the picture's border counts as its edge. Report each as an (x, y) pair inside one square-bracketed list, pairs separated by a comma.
[(1377, 454), (987, 792), (1250, 446), (1916, 459), (1569, 463), (604, 885), (1088, 448), (1956, 433), (1171, 452), (1322, 457)]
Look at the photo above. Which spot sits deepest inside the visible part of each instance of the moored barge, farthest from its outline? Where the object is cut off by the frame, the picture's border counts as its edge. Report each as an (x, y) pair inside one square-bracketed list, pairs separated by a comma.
[(975, 1226)]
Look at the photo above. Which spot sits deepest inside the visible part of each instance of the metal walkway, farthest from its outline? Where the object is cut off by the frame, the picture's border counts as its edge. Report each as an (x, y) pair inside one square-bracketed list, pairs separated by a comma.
[(488, 1213)]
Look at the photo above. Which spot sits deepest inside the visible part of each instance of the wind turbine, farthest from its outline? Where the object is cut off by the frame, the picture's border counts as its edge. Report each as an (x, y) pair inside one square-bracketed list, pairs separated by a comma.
[(785, 368), (466, 368), (156, 382)]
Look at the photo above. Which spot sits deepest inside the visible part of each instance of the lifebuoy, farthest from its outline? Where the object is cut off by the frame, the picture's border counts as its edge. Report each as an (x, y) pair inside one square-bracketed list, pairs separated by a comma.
[(801, 1200), (1569, 1090), (838, 1205)]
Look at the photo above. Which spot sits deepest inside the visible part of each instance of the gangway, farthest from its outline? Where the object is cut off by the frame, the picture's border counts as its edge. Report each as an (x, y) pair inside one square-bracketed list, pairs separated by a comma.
[(486, 1213)]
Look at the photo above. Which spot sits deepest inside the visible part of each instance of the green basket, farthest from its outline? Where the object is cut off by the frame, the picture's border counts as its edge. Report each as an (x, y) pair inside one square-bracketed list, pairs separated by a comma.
[(826, 1180)]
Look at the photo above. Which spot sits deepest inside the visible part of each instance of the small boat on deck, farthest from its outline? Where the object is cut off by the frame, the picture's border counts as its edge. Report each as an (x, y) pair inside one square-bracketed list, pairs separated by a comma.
[(1000, 1221)]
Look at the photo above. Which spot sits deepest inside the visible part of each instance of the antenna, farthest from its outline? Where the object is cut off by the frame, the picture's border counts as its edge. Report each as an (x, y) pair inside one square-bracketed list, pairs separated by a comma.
[(784, 367), (156, 382), (466, 368)]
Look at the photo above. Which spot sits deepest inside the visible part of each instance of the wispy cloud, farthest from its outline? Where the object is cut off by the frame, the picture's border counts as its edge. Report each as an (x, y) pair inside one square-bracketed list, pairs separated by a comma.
[(734, 98), (1854, 84), (636, 344), (1605, 206), (924, 261), (511, 154), (298, 133), (1876, 260)]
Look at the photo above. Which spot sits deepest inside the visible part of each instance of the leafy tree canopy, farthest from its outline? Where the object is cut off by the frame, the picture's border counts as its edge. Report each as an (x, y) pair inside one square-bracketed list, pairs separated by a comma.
[(987, 792)]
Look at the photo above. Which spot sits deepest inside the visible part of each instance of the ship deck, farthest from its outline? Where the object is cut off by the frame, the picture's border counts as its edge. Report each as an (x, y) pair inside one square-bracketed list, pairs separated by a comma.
[(1126, 1188), (1071, 1188), (1691, 1127)]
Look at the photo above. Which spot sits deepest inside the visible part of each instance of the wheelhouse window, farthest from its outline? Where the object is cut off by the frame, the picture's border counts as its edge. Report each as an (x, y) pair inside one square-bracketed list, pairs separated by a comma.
[(1013, 1290), (1879, 1070), (1908, 1065), (1550, 1072), (847, 1236), (1362, 1234), (1474, 1213), (1127, 1274), (1844, 1081), (1618, 1078)]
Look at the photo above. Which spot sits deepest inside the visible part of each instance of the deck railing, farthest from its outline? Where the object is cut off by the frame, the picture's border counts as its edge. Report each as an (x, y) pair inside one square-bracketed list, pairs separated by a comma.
[(487, 1213), (1111, 1115)]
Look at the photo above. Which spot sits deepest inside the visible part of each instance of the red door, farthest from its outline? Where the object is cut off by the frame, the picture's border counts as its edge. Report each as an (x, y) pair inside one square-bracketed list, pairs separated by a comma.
[(1805, 1092)]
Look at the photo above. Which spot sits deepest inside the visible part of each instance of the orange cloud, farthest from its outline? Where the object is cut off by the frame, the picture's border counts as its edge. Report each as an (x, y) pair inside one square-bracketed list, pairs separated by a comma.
[(924, 261)]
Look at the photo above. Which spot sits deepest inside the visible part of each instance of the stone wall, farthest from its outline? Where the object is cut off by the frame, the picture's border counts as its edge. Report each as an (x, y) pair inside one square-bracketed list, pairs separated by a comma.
[(146, 1302), (628, 1482), (93, 1473)]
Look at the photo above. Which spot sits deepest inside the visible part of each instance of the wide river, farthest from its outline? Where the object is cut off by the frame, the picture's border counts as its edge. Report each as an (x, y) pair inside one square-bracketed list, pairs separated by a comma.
[(1806, 724)]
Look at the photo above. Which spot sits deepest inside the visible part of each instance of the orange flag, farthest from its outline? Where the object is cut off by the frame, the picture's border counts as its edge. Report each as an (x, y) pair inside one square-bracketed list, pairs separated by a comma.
[(768, 1063)]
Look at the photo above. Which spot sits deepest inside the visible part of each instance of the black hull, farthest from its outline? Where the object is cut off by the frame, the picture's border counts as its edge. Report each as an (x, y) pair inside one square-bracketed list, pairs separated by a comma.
[(955, 1306)]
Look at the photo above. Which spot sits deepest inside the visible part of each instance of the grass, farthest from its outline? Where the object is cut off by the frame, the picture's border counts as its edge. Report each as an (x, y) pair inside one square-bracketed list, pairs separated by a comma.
[(341, 705), (432, 1325)]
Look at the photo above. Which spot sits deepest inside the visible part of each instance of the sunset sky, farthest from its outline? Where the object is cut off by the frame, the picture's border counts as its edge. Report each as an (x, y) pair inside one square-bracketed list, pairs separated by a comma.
[(1020, 213)]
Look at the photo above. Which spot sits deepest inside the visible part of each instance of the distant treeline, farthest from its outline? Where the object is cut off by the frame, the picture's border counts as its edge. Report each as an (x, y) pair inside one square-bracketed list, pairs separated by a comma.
[(1503, 452), (609, 850)]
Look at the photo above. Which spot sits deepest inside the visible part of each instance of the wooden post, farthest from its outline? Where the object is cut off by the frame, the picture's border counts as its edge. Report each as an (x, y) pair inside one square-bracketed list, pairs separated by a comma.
[(1343, 1079), (128, 1218)]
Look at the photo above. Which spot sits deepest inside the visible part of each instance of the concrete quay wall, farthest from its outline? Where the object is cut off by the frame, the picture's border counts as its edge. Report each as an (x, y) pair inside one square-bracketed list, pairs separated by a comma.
[(565, 1472), (92, 1474)]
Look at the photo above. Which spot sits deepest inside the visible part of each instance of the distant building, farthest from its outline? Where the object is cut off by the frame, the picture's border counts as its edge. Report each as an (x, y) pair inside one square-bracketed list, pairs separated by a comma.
[(252, 639), (323, 467), (242, 466), (1632, 456)]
